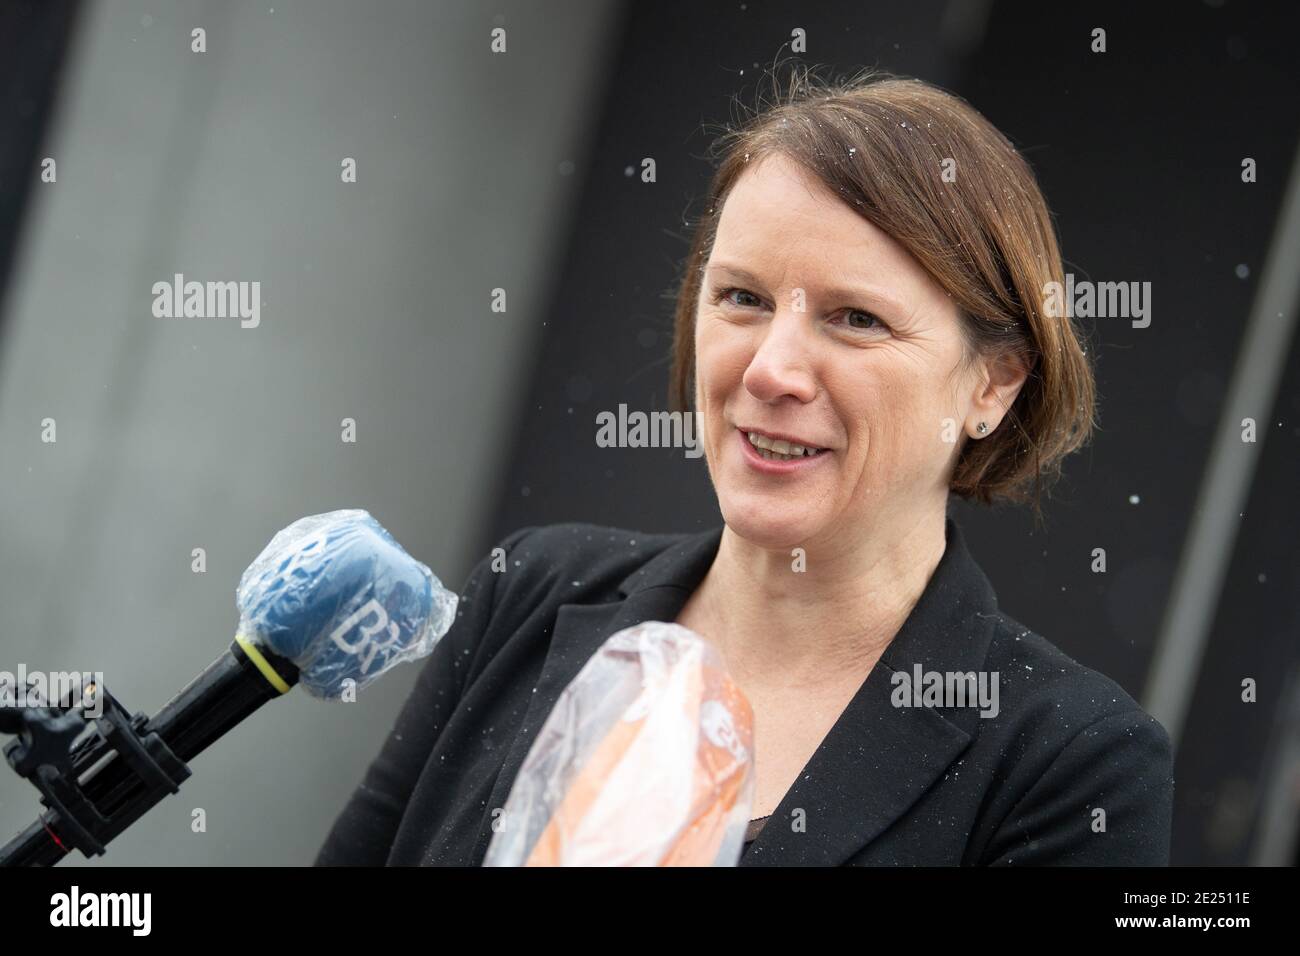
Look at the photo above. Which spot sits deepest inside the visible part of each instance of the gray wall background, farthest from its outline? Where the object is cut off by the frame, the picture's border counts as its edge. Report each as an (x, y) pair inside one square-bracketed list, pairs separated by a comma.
[(174, 434)]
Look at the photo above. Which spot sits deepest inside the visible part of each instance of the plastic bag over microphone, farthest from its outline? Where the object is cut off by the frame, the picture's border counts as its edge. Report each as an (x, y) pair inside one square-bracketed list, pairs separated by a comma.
[(337, 595), (645, 760)]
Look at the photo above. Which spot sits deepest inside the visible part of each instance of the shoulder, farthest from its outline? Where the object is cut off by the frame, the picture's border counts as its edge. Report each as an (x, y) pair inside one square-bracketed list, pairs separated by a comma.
[(570, 561), (1062, 721), (1051, 690), (592, 544), (514, 591), (602, 549), (1078, 772)]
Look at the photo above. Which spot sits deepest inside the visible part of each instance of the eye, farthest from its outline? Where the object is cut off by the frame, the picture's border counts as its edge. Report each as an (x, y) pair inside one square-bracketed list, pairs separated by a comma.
[(727, 292), (866, 321)]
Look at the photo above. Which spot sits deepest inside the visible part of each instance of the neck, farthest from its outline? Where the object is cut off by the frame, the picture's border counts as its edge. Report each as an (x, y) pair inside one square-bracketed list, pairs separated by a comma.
[(786, 628)]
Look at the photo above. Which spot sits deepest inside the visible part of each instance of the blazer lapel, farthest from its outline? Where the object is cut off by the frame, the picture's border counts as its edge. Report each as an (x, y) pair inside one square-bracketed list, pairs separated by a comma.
[(656, 591), (875, 762), (877, 759)]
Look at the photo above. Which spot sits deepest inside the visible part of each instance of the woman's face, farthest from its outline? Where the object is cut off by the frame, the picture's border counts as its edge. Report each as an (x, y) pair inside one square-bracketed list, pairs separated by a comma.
[(815, 325)]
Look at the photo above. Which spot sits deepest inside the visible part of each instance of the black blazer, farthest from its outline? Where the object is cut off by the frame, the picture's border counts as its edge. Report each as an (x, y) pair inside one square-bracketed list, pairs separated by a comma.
[(889, 785)]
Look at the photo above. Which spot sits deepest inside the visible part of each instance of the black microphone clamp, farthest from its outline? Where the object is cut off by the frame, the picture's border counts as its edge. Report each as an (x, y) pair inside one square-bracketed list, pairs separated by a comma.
[(53, 750), (96, 784)]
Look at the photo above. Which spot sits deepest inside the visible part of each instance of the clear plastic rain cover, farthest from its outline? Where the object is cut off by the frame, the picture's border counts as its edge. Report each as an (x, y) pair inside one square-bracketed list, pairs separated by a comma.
[(337, 595), (646, 760)]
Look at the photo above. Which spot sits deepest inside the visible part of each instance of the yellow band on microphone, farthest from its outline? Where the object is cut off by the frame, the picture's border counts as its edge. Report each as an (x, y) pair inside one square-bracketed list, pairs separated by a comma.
[(262, 664)]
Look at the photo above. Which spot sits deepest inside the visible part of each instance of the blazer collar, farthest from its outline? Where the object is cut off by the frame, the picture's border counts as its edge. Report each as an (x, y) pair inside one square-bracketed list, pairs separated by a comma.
[(876, 760)]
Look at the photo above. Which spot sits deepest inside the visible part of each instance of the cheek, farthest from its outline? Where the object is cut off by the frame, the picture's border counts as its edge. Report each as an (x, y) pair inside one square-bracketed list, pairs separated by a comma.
[(893, 419), (919, 433), (722, 353)]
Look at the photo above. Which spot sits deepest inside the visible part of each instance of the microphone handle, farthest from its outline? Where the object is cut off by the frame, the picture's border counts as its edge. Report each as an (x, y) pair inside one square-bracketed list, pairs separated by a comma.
[(227, 691)]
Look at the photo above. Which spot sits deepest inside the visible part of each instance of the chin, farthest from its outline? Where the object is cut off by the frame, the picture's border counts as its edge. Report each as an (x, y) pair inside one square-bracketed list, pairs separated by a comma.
[(770, 525)]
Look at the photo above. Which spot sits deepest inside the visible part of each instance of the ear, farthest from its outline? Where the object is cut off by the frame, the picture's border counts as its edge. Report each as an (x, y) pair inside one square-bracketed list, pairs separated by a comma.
[(997, 383)]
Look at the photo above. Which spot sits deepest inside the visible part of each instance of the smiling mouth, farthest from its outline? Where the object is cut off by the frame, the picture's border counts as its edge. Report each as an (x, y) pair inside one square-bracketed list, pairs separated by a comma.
[(778, 449)]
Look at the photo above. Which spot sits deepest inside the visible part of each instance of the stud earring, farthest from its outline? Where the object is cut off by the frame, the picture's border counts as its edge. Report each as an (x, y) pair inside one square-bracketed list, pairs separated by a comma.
[(982, 428)]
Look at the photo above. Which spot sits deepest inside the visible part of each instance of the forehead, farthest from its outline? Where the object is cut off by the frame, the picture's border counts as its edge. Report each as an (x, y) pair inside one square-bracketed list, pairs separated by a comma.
[(779, 214)]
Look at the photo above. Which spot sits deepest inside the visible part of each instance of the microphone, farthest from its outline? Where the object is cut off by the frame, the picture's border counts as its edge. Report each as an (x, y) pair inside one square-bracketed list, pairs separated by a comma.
[(338, 596), (332, 602), (647, 759)]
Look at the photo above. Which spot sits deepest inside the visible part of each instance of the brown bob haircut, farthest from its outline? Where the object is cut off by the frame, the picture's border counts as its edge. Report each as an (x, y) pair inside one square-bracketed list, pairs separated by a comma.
[(883, 144)]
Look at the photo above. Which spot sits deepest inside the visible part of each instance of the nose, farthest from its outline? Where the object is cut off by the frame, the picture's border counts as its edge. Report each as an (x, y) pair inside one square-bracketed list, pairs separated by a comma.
[(782, 363)]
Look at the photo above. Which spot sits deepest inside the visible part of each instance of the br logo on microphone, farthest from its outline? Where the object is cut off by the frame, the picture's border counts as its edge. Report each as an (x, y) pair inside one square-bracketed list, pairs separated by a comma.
[(365, 646)]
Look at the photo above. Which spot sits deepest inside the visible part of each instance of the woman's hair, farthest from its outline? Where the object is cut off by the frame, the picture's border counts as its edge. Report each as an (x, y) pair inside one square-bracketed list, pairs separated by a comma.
[(926, 168)]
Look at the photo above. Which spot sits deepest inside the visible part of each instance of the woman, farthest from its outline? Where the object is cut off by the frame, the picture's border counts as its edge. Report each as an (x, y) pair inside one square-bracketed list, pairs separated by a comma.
[(862, 332)]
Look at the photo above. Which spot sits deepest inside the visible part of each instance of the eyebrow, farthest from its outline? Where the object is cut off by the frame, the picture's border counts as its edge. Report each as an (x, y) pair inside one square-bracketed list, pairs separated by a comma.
[(849, 293)]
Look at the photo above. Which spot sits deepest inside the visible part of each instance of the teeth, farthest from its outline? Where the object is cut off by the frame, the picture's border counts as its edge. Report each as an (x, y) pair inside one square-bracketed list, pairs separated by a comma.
[(777, 449)]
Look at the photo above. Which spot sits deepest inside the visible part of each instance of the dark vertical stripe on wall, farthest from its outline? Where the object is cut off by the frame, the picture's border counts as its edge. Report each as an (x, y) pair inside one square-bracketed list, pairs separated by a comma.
[(34, 40)]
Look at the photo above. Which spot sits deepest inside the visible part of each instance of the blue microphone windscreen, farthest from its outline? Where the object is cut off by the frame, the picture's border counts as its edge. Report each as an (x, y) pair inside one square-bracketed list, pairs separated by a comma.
[(337, 595)]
